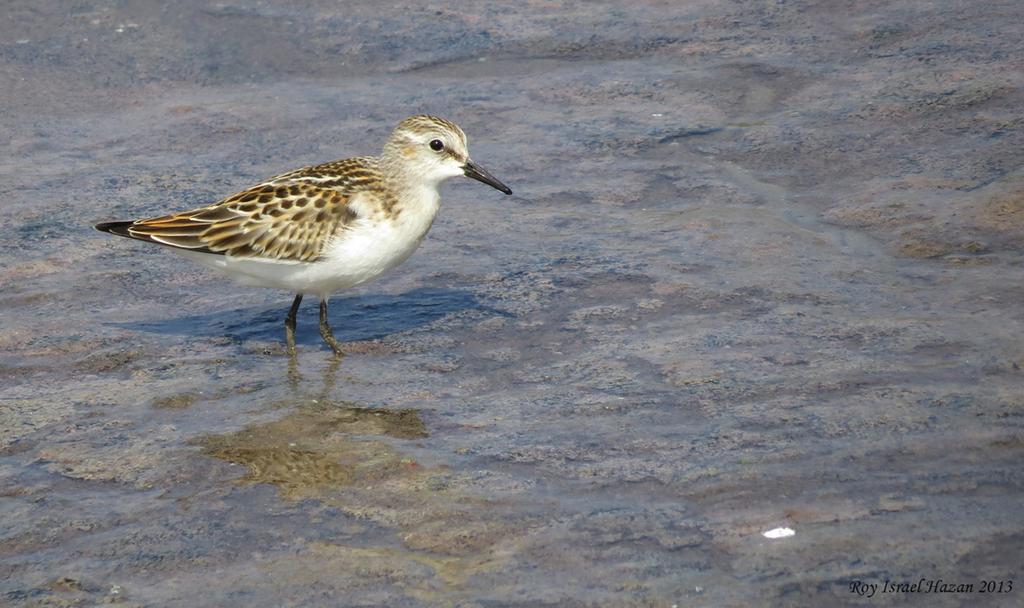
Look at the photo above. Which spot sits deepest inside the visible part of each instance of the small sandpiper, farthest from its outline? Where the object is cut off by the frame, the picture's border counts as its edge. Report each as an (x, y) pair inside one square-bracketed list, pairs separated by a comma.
[(327, 227)]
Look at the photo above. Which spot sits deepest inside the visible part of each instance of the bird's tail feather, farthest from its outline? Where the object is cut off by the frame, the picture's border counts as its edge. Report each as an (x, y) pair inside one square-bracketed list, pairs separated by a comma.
[(118, 228)]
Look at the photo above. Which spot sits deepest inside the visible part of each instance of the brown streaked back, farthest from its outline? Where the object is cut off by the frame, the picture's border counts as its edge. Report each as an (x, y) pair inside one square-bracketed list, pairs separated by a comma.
[(290, 217)]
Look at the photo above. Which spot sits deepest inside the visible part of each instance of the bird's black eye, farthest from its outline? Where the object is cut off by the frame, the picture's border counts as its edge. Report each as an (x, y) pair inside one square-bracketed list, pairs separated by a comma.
[(436, 145)]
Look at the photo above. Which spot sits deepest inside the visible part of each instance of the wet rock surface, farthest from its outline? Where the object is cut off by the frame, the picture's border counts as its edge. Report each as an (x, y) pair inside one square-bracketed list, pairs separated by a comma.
[(762, 268)]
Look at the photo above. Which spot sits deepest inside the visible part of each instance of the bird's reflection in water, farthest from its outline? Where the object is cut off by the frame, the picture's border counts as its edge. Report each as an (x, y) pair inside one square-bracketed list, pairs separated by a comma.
[(295, 377), (322, 443), (427, 517)]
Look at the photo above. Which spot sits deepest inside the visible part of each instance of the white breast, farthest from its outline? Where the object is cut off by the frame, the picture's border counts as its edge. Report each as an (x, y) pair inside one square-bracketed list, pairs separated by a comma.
[(372, 246)]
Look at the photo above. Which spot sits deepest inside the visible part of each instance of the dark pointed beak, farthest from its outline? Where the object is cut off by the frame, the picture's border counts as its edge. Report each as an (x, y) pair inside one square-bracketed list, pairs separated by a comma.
[(478, 173)]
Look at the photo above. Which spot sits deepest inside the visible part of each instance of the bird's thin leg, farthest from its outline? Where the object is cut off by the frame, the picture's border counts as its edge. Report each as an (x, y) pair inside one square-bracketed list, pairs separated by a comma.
[(289, 324), (325, 329)]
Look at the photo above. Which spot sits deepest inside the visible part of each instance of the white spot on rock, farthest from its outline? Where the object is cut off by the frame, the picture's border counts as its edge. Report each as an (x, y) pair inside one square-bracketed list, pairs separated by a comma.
[(779, 533)]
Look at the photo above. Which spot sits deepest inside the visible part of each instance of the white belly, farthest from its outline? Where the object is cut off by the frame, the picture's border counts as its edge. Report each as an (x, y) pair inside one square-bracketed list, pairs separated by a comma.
[(360, 253)]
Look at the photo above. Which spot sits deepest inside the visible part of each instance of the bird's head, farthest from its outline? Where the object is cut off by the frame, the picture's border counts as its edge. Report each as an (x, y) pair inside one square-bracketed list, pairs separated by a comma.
[(433, 149)]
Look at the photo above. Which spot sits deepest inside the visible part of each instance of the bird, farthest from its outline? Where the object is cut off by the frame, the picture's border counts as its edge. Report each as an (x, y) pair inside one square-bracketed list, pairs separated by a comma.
[(327, 227)]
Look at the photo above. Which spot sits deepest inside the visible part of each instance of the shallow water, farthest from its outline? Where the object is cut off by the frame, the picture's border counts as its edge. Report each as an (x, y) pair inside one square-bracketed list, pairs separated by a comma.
[(762, 268)]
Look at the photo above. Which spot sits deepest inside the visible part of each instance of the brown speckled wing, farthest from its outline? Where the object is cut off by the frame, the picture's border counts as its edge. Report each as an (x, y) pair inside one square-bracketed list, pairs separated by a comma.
[(289, 217), (346, 175)]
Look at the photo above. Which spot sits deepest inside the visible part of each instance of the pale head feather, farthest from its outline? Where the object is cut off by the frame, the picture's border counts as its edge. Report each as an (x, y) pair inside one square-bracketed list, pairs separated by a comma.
[(408, 151)]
